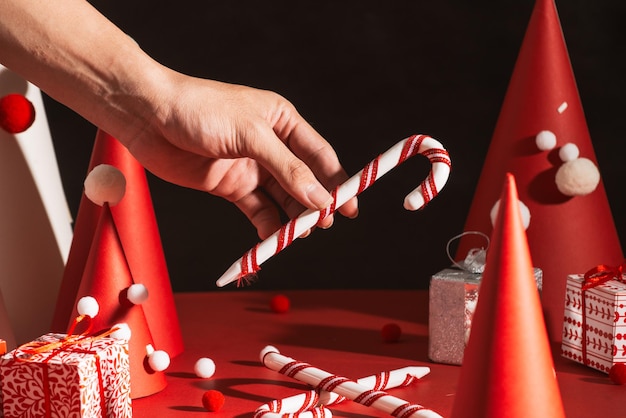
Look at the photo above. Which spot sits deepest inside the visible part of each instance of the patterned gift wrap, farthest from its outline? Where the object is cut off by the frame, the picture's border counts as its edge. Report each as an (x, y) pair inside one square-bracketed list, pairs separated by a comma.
[(453, 295), (601, 326), (89, 378)]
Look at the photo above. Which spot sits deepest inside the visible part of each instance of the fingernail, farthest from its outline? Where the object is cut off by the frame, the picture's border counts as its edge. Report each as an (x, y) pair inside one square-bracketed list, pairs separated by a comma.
[(319, 196)]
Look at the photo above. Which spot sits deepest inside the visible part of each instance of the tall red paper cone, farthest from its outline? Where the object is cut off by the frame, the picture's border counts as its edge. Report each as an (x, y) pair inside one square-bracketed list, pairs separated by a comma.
[(136, 223), (106, 277), (566, 234), (508, 369)]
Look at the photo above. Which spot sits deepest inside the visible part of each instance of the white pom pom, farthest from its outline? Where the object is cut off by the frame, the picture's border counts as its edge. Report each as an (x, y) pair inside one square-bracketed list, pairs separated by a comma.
[(137, 294), (568, 152), (158, 360), (122, 331), (578, 177), (545, 140), (105, 184), (204, 368), (525, 212), (88, 305)]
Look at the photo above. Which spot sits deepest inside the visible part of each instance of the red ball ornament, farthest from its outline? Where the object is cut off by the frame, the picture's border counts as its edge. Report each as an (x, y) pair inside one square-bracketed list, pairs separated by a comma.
[(17, 113), (280, 304), (391, 332), (213, 400), (618, 373)]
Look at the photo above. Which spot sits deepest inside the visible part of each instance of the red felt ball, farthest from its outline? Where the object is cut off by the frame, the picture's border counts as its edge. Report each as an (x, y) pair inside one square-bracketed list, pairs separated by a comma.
[(213, 400), (618, 373), (280, 304), (17, 113), (391, 332)]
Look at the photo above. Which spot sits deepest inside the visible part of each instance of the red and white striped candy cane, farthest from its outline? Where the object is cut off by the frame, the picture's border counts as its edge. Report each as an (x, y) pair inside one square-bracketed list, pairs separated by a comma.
[(313, 403), (342, 386), (403, 150)]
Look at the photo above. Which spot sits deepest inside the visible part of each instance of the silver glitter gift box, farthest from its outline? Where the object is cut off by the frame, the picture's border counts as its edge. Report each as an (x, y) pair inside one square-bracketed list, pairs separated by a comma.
[(452, 301)]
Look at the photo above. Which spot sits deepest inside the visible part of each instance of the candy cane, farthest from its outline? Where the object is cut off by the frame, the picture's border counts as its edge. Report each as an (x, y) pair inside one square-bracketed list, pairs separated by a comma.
[(311, 404), (342, 386), (403, 150)]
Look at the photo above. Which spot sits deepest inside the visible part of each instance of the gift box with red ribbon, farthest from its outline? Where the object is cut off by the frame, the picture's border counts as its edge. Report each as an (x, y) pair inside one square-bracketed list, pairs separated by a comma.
[(60, 376), (453, 294), (594, 324)]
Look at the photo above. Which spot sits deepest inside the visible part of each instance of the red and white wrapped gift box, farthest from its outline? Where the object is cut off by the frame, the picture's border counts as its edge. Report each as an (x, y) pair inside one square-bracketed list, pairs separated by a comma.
[(89, 378), (595, 336)]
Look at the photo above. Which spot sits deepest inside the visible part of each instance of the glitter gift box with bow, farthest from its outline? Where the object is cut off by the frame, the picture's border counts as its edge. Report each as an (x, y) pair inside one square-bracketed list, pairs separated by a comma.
[(56, 376), (594, 324), (453, 295)]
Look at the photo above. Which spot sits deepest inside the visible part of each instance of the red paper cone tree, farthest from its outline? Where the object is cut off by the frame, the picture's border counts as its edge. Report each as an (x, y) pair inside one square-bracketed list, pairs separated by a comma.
[(566, 234), (508, 369), (106, 278), (136, 223)]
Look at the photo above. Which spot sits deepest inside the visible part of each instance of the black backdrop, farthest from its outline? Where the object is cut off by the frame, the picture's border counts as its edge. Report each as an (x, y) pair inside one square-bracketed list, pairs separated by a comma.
[(365, 74)]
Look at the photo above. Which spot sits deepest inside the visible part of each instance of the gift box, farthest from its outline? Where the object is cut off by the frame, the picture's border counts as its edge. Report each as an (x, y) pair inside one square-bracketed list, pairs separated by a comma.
[(58, 377), (594, 323), (453, 295)]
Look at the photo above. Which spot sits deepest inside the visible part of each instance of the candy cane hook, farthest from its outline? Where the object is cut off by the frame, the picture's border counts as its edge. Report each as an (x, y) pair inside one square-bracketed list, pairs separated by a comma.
[(418, 198)]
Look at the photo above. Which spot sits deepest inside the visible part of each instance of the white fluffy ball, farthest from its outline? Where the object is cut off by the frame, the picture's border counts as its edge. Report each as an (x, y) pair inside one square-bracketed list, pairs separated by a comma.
[(568, 152), (522, 207), (158, 360), (204, 368), (88, 305), (105, 184), (578, 177), (137, 294), (545, 140), (122, 331)]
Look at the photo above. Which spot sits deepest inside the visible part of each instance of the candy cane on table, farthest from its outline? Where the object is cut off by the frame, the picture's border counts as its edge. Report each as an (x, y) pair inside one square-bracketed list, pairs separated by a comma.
[(342, 386), (403, 150), (312, 403)]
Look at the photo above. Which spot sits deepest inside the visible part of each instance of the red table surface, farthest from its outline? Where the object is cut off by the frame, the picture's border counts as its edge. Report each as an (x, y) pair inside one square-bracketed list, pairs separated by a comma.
[(335, 330)]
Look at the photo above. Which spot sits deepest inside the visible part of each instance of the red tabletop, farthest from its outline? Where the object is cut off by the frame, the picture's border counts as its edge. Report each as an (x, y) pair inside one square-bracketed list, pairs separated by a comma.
[(335, 330)]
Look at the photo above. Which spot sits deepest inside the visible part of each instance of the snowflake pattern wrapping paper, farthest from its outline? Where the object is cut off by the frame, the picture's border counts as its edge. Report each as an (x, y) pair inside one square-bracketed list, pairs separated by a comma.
[(87, 379), (601, 325)]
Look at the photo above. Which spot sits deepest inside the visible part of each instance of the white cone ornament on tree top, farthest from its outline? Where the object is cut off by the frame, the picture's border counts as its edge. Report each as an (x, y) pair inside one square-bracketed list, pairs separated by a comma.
[(138, 231), (36, 223), (540, 122)]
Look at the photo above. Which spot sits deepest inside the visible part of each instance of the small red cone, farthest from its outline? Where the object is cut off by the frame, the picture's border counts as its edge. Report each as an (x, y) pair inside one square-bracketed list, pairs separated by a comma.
[(138, 230), (106, 278), (566, 234), (508, 369)]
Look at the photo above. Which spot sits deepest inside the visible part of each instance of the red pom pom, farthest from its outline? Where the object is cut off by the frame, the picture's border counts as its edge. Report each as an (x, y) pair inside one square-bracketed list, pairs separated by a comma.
[(213, 400), (280, 304), (17, 113), (391, 333), (618, 373)]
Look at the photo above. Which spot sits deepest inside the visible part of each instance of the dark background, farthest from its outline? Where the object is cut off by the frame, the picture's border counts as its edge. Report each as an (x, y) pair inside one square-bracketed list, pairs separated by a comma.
[(365, 74)]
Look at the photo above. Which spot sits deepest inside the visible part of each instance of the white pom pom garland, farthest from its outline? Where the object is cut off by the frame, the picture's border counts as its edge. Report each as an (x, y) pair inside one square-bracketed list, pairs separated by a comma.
[(158, 360), (568, 152), (105, 184), (122, 331), (137, 293), (545, 140), (204, 368), (88, 305), (523, 209), (578, 177)]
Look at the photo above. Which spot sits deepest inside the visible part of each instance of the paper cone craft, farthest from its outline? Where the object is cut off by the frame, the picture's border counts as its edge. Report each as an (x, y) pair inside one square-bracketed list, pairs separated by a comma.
[(137, 227), (36, 226), (508, 369), (106, 278), (567, 234)]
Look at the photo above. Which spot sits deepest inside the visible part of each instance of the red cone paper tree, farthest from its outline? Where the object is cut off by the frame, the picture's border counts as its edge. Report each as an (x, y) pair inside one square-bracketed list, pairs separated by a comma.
[(567, 234), (508, 369), (136, 223)]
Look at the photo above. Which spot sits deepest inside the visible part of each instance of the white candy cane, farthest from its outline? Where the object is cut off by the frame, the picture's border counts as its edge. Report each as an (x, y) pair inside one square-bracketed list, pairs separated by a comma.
[(313, 403), (342, 386), (403, 150)]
